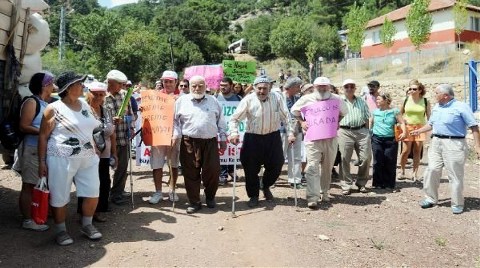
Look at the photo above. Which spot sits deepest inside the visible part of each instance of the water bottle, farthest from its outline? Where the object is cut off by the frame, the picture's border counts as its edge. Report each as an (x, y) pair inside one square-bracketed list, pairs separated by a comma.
[(112, 161)]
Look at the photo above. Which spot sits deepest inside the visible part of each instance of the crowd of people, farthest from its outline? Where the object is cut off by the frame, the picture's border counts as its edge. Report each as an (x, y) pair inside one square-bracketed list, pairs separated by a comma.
[(60, 141)]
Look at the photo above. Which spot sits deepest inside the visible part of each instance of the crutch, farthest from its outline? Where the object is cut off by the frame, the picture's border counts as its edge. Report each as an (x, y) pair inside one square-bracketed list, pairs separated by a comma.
[(128, 120), (234, 180), (294, 179)]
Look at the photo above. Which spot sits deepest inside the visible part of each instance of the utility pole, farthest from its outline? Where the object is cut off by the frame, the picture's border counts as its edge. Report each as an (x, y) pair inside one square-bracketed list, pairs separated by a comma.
[(61, 35)]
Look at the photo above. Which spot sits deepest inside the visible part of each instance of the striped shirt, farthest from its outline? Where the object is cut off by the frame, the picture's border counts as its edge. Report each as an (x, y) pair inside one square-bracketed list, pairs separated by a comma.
[(263, 117), (358, 113)]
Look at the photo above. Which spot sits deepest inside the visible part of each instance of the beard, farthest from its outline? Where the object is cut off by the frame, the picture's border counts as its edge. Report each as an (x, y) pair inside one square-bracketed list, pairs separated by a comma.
[(324, 95), (198, 96)]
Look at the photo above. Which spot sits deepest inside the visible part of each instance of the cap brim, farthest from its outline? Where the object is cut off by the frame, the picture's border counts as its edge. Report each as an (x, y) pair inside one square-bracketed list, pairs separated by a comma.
[(77, 78), (168, 78)]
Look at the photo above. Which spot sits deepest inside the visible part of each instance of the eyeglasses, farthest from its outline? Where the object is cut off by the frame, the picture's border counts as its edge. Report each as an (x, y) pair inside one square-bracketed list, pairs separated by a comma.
[(183, 86)]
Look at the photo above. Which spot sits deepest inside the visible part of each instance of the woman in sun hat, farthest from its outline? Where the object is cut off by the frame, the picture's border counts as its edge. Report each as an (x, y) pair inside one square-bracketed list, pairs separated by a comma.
[(67, 154), (95, 97)]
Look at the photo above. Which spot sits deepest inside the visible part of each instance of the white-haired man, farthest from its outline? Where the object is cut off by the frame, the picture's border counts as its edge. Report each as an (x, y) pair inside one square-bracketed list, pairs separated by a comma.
[(262, 144), (449, 122), (198, 119), (116, 80), (165, 154), (320, 151)]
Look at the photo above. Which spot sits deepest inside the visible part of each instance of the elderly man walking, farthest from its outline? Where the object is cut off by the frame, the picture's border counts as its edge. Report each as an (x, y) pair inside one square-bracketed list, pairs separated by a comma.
[(198, 119), (353, 134), (448, 122), (262, 144), (293, 151), (113, 102), (322, 151)]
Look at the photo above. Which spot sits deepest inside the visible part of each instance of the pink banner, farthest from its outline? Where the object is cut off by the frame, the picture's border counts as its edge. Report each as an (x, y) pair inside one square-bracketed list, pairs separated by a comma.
[(322, 119), (213, 74)]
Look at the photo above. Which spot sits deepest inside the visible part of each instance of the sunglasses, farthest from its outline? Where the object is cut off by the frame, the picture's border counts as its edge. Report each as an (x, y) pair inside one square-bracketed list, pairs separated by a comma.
[(413, 89), (183, 86)]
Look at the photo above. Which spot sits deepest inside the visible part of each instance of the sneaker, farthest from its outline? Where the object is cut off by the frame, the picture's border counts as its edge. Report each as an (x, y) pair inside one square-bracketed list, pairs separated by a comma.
[(155, 198), (312, 205), (325, 197), (268, 194), (222, 181), (119, 200), (63, 239), (426, 204), (457, 209), (362, 189), (192, 208), (253, 202), (91, 232), (31, 225), (172, 196)]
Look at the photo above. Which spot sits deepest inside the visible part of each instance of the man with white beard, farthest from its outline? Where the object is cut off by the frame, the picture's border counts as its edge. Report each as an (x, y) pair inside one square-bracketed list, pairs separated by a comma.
[(321, 151), (197, 120)]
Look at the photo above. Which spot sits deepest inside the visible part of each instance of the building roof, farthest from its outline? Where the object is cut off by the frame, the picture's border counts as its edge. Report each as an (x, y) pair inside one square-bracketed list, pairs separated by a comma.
[(401, 13)]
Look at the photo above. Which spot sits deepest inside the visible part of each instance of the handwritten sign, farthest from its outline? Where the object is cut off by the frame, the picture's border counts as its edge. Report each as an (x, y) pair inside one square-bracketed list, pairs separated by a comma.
[(213, 74), (157, 116), (240, 71), (322, 119), (228, 157)]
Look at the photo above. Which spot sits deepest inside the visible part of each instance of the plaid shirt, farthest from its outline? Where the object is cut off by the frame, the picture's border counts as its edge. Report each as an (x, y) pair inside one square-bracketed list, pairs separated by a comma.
[(113, 104)]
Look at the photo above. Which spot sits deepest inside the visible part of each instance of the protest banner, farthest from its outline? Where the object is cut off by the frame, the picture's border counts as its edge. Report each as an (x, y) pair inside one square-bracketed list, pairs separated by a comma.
[(227, 157), (157, 116), (322, 119), (240, 71), (213, 74)]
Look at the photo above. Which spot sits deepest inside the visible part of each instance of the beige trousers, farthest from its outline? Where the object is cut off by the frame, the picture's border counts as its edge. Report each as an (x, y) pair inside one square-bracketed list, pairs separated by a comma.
[(451, 154), (320, 154), (347, 141)]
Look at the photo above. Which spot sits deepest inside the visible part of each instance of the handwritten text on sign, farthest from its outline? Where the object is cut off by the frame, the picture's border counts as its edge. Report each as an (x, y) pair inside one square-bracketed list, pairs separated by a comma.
[(322, 119), (213, 74), (228, 157), (240, 71), (157, 115)]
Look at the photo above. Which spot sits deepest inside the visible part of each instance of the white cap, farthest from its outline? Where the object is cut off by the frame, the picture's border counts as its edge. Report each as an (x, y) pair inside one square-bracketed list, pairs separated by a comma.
[(97, 86), (129, 82), (322, 81), (116, 75), (348, 81), (169, 75)]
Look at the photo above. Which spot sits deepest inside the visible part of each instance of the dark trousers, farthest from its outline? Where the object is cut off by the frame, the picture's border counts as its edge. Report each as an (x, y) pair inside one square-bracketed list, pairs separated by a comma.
[(385, 152), (258, 150), (104, 174), (120, 174), (200, 163), (225, 169)]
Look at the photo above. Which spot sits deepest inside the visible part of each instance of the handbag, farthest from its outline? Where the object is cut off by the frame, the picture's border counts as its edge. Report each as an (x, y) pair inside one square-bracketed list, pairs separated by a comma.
[(39, 205), (397, 130), (99, 135)]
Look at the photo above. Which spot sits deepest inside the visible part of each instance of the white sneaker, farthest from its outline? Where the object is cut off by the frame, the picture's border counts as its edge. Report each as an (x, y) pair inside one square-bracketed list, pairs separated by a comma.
[(155, 198), (325, 197), (31, 225), (173, 196)]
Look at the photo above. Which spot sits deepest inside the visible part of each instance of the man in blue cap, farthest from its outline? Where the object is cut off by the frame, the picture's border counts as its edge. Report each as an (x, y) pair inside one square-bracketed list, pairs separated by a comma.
[(262, 144)]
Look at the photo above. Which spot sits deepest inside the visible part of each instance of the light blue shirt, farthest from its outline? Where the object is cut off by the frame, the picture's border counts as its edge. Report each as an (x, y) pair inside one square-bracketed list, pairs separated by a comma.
[(452, 119), (32, 140), (383, 122)]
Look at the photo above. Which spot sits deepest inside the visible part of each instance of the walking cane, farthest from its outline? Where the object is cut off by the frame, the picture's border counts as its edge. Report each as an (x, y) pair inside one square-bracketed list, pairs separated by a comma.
[(294, 179), (171, 179), (128, 120), (234, 180)]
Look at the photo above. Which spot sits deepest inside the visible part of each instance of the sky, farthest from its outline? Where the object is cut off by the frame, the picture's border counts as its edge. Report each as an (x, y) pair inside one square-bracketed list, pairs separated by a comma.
[(112, 3)]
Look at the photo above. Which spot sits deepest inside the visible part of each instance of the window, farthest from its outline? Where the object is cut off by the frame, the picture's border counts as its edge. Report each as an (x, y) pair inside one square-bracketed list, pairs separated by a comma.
[(376, 37), (475, 24)]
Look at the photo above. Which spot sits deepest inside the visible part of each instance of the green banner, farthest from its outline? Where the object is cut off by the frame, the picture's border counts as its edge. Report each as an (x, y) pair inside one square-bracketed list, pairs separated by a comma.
[(240, 71)]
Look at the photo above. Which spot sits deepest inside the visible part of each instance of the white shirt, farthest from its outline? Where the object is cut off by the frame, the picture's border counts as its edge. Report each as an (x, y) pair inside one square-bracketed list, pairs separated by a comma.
[(263, 117), (198, 119)]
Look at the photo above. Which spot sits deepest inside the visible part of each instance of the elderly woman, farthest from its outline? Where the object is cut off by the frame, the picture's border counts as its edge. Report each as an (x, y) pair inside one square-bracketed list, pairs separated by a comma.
[(41, 86), (95, 98), (416, 112), (67, 154), (384, 145)]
